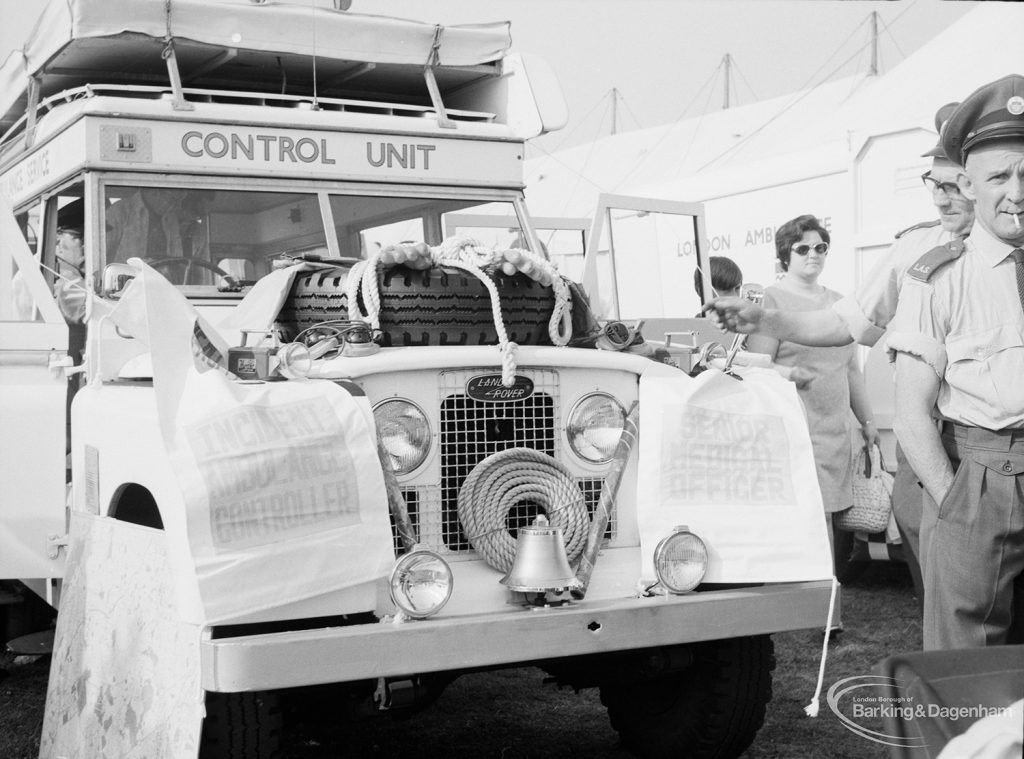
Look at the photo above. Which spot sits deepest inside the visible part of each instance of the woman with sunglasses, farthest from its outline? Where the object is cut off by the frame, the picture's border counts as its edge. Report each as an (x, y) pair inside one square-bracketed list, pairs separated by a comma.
[(837, 384)]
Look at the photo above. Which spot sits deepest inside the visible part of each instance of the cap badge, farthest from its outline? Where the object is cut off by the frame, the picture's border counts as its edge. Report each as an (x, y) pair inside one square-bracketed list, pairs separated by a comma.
[(1015, 105)]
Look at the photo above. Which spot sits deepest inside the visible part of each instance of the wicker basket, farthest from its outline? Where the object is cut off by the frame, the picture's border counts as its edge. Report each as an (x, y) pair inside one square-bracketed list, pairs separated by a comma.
[(872, 494)]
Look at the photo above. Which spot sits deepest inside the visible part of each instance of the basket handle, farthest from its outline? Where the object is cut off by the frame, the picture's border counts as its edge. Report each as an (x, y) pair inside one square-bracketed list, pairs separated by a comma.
[(867, 459)]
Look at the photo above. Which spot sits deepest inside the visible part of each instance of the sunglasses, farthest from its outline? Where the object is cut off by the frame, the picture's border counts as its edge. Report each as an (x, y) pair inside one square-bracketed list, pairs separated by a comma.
[(949, 189), (802, 250)]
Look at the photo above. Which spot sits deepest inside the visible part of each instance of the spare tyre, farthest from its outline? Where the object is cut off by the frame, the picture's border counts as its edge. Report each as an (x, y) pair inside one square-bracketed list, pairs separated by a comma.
[(438, 306)]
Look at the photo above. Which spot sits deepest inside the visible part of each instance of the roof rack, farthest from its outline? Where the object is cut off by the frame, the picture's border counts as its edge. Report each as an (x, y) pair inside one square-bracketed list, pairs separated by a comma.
[(274, 52), (198, 95)]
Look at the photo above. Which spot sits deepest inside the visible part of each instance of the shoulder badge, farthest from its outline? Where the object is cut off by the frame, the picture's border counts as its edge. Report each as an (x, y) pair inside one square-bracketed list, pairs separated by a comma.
[(922, 225), (926, 266)]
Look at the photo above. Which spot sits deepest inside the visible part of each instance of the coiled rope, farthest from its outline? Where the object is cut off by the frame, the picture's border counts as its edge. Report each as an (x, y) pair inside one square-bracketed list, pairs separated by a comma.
[(471, 256), (515, 477)]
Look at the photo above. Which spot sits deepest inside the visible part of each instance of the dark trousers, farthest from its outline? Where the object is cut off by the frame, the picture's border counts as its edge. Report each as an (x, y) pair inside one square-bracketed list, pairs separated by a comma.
[(907, 505), (973, 542)]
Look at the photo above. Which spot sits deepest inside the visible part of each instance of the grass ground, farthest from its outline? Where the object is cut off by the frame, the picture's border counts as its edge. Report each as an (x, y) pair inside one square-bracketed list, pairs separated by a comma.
[(514, 714)]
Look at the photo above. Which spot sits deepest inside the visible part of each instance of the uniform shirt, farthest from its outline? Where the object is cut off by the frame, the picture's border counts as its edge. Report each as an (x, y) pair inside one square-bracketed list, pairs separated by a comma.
[(70, 290), (868, 311), (967, 324)]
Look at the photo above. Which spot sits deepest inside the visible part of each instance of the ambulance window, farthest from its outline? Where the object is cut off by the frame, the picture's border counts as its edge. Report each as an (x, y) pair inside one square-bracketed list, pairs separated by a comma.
[(495, 225), (63, 251), (16, 300), (220, 240), (367, 224)]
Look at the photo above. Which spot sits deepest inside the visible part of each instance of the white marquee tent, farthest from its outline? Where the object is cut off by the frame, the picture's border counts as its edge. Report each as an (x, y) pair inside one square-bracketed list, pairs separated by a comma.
[(847, 151)]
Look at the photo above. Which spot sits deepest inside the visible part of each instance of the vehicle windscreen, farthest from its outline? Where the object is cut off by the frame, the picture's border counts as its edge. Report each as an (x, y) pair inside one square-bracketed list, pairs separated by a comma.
[(217, 241)]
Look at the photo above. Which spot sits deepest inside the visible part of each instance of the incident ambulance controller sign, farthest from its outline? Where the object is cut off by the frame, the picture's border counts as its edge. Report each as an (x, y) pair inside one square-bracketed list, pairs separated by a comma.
[(235, 149)]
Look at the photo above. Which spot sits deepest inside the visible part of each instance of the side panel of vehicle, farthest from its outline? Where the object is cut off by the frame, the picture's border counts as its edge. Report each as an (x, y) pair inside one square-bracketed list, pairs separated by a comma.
[(33, 411), (122, 461)]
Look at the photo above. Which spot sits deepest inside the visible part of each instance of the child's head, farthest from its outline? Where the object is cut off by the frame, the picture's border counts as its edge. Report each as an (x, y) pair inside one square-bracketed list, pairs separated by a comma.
[(726, 278)]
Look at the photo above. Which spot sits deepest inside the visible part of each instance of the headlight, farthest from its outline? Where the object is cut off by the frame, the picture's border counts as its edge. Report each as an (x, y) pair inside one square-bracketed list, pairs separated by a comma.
[(595, 426), (681, 561), (421, 583), (405, 433)]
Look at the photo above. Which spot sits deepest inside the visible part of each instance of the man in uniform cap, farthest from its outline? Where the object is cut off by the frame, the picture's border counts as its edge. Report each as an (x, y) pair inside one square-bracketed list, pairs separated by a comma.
[(69, 290), (958, 343), (863, 317)]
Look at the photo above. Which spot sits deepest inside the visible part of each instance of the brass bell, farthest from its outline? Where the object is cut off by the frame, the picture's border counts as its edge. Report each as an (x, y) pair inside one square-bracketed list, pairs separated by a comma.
[(540, 564)]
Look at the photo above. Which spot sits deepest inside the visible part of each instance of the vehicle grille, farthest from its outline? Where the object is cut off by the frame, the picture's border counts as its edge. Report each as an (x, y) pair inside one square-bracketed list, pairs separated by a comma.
[(470, 431)]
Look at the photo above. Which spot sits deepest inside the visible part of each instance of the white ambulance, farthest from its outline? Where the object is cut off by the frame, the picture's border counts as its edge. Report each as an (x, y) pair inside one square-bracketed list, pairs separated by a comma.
[(292, 395)]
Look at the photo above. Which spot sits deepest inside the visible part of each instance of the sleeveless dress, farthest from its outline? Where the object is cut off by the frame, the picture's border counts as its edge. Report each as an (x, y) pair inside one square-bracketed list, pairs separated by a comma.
[(826, 398)]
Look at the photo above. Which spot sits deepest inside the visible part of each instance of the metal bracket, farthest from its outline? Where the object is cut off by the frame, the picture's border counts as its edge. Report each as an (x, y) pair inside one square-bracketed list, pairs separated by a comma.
[(179, 103), (394, 694), (62, 365), (226, 56), (53, 545), (435, 97), (31, 110), (428, 74)]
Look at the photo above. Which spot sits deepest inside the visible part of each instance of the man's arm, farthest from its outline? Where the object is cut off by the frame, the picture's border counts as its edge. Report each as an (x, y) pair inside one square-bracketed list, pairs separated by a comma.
[(917, 388), (860, 404), (822, 328)]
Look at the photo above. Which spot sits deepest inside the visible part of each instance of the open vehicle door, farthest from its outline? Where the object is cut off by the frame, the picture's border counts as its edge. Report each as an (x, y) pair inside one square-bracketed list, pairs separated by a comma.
[(640, 262), (33, 409), (562, 239)]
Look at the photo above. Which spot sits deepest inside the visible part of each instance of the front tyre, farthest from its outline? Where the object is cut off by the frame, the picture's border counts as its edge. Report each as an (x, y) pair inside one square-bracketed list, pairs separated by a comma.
[(711, 710), (241, 726)]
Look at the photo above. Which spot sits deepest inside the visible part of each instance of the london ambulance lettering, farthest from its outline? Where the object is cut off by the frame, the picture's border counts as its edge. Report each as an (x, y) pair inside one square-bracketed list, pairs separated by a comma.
[(748, 238)]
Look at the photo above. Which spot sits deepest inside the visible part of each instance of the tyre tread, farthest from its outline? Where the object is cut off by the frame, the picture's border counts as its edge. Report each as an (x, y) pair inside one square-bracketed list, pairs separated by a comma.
[(241, 726), (712, 710), (437, 306)]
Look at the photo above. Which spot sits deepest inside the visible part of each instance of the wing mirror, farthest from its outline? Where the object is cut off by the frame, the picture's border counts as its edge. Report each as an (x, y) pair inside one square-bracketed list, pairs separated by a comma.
[(116, 278)]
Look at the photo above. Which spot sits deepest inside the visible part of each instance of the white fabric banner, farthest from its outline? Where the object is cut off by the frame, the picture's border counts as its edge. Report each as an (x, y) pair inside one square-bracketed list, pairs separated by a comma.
[(283, 490), (732, 460)]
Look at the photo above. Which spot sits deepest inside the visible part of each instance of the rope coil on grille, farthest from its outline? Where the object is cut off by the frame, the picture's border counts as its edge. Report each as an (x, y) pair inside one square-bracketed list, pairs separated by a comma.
[(508, 479), (470, 256)]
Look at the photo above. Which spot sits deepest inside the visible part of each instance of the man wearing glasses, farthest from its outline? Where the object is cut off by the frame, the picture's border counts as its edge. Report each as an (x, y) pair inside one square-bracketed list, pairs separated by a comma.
[(864, 315), (958, 343)]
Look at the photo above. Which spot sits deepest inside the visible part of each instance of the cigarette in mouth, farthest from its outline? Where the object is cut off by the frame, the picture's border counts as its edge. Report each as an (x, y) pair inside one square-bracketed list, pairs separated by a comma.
[(1016, 220)]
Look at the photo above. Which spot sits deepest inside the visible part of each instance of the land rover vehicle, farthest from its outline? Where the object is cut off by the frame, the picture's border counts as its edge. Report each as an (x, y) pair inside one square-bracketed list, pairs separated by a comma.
[(221, 155)]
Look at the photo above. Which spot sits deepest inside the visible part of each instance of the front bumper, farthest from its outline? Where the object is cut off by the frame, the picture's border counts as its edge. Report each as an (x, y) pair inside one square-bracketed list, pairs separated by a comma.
[(519, 635)]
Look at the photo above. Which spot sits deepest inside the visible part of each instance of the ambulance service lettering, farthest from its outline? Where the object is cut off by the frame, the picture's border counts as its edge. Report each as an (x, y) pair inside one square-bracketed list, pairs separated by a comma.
[(32, 171), (256, 147)]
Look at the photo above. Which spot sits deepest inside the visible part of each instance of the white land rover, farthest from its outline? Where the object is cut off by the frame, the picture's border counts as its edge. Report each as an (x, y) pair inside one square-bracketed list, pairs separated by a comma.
[(330, 414)]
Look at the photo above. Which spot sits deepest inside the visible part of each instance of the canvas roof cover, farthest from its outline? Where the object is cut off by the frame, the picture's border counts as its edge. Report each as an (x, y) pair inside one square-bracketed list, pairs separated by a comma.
[(241, 44)]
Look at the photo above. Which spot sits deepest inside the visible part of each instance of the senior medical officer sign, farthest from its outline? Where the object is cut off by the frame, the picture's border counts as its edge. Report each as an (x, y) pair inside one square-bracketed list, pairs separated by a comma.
[(731, 459)]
